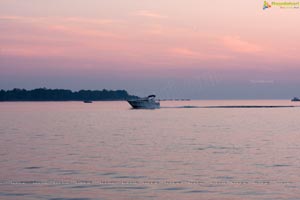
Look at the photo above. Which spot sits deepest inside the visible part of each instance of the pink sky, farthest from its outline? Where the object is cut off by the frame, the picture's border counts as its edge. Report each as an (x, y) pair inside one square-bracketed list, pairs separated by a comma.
[(145, 38)]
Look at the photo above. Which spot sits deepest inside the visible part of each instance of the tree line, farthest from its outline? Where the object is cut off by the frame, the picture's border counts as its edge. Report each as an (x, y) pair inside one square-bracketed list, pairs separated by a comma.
[(44, 94)]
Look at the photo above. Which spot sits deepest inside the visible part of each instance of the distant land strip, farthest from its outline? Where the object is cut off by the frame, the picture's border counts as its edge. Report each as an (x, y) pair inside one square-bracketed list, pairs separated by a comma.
[(44, 94)]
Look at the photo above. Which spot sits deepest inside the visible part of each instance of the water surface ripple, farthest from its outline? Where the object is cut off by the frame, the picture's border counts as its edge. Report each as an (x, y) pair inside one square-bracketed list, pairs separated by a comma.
[(105, 150)]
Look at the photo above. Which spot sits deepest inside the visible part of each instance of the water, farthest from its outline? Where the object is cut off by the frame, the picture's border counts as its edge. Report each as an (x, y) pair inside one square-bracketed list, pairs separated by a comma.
[(105, 150)]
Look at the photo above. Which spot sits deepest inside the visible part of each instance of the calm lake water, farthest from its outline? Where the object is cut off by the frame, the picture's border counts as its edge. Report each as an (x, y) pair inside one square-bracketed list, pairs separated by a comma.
[(105, 150)]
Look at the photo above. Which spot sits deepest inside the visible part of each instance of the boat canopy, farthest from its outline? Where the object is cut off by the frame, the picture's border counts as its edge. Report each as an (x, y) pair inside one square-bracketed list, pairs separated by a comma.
[(151, 96)]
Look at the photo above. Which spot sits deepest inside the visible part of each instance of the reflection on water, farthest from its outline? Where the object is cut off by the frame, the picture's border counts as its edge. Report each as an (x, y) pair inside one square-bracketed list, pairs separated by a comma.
[(105, 150)]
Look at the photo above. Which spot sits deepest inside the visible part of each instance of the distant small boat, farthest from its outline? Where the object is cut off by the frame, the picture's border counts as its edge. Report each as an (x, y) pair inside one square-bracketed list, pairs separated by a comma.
[(295, 99), (87, 101), (145, 103)]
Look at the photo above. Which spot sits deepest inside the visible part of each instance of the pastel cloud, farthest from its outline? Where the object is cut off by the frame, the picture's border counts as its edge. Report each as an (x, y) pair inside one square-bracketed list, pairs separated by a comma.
[(149, 14), (79, 20), (236, 44), (185, 52), (193, 54), (54, 36), (150, 45), (91, 20)]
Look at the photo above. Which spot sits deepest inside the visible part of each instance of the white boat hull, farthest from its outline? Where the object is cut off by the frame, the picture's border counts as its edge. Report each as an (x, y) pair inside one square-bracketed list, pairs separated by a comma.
[(144, 104)]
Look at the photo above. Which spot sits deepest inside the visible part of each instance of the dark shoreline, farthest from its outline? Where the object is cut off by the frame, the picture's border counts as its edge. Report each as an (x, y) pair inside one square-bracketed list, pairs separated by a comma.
[(44, 94)]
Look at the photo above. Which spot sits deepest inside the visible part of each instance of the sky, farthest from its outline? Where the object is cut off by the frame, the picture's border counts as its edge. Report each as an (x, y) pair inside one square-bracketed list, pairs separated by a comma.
[(194, 49)]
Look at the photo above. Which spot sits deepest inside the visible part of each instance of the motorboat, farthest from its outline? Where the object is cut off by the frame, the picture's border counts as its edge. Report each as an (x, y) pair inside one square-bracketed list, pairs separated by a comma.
[(87, 101), (295, 99), (145, 103)]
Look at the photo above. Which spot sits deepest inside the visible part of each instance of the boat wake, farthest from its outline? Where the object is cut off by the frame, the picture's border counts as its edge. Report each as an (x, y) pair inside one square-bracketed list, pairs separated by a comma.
[(249, 106)]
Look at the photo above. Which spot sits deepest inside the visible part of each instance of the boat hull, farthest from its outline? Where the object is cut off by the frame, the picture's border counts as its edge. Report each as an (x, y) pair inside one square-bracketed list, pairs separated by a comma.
[(295, 99), (137, 104)]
